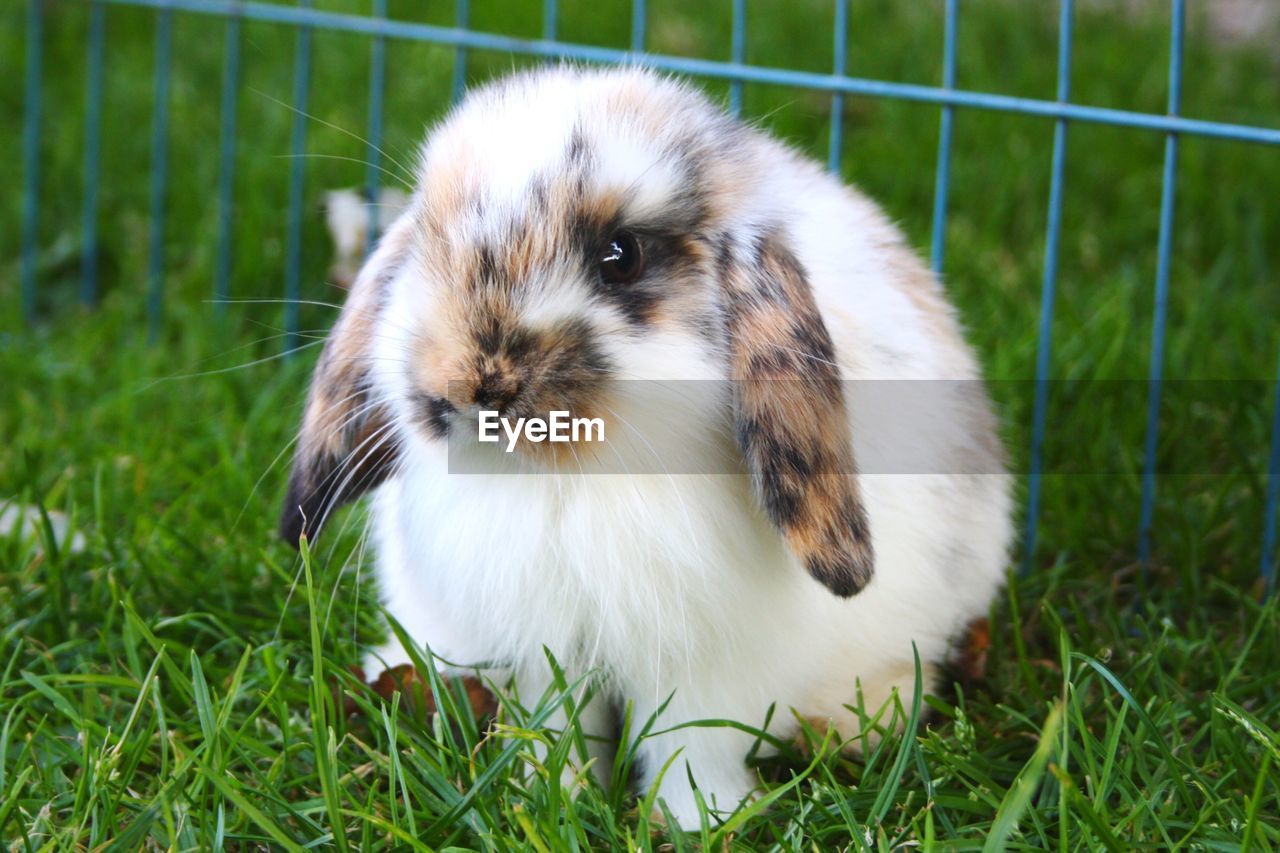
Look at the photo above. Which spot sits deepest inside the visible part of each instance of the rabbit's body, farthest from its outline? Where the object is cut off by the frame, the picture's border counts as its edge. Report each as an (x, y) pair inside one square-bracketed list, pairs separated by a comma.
[(672, 585)]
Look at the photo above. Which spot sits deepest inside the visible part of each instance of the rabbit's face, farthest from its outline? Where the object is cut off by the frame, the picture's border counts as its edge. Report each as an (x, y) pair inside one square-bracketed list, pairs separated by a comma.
[(559, 241), (571, 228)]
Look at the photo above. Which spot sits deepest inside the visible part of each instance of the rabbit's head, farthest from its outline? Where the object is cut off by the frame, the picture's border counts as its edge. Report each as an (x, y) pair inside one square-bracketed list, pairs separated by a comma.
[(571, 228)]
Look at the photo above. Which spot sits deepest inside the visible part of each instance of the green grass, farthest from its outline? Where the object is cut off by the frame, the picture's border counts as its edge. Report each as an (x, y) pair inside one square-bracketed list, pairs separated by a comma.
[(170, 685)]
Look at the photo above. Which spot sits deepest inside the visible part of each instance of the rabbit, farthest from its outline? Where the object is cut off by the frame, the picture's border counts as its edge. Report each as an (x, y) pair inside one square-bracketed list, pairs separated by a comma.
[(572, 230)]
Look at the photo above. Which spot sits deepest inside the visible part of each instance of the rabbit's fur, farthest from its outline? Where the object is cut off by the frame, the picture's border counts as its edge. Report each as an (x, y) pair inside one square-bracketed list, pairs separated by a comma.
[(799, 585)]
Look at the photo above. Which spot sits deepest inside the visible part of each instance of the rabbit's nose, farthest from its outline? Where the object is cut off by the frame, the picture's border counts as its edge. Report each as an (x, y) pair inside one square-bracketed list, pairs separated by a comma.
[(495, 390)]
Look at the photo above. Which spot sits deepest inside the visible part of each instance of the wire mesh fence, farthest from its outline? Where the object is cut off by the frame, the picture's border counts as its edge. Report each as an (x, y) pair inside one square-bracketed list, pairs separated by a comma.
[(380, 29)]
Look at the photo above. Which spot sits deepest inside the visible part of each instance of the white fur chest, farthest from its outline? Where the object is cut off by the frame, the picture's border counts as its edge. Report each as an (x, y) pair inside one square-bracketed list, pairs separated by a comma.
[(633, 574)]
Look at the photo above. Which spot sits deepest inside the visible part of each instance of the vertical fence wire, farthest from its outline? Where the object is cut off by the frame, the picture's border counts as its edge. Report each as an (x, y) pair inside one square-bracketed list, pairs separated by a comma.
[(1053, 232), (638, 23), (31, 153), (373, 145), (1163, 254), (550, 14), (839, 51), (297, 183), (461, 20), (738, 53), (227, 162), (159, 170), (92, 152), (943, 175), (1269, 556)]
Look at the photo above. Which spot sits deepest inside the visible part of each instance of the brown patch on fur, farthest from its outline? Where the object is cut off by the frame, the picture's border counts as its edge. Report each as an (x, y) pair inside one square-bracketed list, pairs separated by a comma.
[(560, 217), (485, 261), (415, 692), (447, 181), (790, 418), (972, 659), (638, 100), (479, 354), (687, 305), (821, 726), (488, 358)]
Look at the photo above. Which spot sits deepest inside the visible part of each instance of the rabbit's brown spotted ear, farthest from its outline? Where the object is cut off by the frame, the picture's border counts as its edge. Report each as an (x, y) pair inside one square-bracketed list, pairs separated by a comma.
[(346, 444), (789, 414)]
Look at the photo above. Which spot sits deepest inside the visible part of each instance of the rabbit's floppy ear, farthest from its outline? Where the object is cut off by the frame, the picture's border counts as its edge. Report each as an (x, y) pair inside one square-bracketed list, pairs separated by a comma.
[(346, 444), (789, 413)]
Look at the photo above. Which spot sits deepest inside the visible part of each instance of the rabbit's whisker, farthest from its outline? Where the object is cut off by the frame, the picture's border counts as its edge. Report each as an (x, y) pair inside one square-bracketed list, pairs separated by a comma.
[(318, 156), (276, 461), (405, 178)]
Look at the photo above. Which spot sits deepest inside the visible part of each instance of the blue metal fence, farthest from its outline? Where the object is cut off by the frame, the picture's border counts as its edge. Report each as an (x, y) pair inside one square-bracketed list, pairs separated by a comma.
[(379, 27)]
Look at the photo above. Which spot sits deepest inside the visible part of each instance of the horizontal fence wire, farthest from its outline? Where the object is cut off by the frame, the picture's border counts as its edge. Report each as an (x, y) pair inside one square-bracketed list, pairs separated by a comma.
[(298, 15), (736, 71)]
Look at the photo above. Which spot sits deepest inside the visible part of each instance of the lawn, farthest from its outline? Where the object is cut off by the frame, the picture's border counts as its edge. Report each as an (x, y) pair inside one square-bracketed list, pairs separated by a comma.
[(172, 684)]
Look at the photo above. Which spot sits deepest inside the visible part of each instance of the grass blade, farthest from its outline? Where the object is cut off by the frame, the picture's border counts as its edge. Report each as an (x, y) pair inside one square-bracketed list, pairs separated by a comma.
[(1018, 797)]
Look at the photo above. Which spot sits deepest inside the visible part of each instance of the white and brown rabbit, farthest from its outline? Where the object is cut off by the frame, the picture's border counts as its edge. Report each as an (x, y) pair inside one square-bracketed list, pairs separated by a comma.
[(573, 230)]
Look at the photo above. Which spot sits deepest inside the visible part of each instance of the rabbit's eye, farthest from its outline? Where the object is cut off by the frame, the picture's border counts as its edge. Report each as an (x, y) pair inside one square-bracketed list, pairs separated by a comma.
[(621, 260)]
